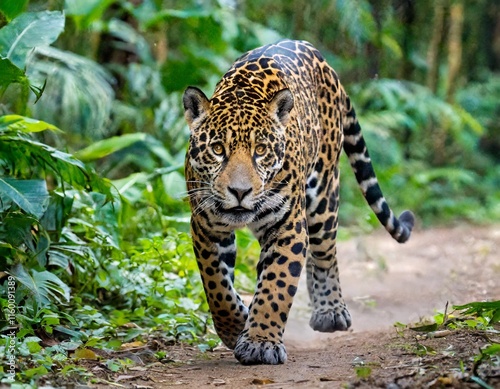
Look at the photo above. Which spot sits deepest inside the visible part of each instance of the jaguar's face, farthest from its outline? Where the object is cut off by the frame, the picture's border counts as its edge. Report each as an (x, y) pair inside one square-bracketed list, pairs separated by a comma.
[(234, 155)]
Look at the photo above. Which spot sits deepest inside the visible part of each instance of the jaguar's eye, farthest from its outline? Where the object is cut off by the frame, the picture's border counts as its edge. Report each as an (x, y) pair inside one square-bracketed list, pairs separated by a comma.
[(260, 150), (218, 149)]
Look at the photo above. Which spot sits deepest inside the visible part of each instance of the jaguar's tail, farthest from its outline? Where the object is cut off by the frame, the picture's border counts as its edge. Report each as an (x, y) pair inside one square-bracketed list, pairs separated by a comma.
[(356, 150)]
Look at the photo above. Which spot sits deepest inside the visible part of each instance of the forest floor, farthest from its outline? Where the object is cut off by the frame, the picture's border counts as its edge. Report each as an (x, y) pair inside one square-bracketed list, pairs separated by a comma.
[(384, 283)]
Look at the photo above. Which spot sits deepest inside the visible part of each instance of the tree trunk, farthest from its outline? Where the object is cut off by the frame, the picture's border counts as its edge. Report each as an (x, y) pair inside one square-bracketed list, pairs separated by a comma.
[(454, 48), (408, 43), (437, 38)]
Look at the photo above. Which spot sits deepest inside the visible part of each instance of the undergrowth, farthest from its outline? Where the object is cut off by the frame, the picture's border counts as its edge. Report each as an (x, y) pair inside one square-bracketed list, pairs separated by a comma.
[(481, 318)]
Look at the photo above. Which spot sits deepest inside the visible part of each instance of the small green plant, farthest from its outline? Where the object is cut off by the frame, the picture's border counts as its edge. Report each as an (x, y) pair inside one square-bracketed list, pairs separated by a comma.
[(363, 372), (488, 312), (476, 317)]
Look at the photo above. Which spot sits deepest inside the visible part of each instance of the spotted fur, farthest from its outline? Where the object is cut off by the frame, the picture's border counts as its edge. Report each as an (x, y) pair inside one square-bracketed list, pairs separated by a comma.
[(264, 153)]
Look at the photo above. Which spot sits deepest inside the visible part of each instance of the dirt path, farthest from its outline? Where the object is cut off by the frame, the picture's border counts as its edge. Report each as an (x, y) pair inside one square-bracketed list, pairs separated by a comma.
[(384, 283)]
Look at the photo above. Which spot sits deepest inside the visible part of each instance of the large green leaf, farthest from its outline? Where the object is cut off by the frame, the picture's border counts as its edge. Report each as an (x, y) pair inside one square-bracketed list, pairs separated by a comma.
[(30, 195), (25, 124), (27, 31), (109, 146), (79, 95), (43, 286)]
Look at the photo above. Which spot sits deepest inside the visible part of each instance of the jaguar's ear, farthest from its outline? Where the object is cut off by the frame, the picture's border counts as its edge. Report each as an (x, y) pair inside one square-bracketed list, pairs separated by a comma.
[(281, 105), (196, 104)]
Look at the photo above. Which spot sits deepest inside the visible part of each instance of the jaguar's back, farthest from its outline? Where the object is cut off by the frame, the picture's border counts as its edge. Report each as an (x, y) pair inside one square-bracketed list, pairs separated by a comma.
[(264, 153)]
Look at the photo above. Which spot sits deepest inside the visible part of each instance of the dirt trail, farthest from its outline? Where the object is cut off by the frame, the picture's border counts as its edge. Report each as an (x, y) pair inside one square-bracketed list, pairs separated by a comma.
[(384, 283)]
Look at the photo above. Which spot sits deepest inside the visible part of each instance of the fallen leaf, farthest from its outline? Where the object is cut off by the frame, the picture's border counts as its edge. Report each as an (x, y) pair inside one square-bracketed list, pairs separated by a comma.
[(443, 382), (124, 377), (263, 381), (126, 346), (138, 368), (84, 353), (130, 325)]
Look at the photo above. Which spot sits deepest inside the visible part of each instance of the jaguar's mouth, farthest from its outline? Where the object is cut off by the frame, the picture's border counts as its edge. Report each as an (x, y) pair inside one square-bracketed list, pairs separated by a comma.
[(239, 209), (237, 216)]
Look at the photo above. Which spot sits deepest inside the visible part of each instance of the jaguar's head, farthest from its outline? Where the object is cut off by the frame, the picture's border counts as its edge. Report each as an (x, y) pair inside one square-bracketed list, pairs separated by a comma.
[(236, 148)]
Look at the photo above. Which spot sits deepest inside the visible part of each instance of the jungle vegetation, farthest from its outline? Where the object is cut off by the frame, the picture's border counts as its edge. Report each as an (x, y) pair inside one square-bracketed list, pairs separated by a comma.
[(93, 220)]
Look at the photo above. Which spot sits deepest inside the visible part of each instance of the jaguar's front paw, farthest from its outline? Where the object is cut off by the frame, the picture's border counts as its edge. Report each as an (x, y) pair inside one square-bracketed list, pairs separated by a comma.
[(330, 320), (251, 352)]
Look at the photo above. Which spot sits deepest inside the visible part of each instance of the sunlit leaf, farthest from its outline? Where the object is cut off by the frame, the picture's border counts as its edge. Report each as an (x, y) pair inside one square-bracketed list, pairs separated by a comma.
[(392, 44), (27, 31), (492, 349), (106, 147), (36, 371), (85, 353), (25, 124)]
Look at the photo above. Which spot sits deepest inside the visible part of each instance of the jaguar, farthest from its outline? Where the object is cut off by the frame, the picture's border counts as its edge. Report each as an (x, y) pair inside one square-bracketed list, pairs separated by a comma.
[(264, 153)]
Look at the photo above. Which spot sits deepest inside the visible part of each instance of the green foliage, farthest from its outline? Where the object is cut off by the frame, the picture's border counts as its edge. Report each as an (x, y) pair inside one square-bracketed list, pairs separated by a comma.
[(59, 220), (27, 31), (428, 150), (10, 73), (486, 310), (43, 287), (79, 92), (476, 315), (19, 150), (29, 195), (20, 37), (482, 317)]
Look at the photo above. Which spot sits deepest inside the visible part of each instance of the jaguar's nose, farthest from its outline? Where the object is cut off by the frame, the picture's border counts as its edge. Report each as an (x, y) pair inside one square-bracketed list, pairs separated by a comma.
[(239, 193)]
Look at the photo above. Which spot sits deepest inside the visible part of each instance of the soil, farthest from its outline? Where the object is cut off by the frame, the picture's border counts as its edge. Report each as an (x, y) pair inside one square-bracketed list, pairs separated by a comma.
[(384, 283)]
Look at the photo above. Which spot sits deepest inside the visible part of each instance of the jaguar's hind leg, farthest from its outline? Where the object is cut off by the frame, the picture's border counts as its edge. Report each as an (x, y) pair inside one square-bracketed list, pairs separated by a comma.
[(329, 309)]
